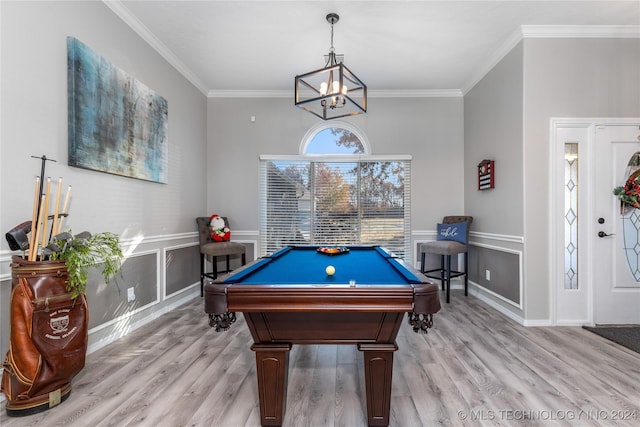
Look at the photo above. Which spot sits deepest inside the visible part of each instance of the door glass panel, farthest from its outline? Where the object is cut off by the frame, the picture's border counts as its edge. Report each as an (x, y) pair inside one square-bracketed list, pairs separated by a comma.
[(631, 219), (571, 215)]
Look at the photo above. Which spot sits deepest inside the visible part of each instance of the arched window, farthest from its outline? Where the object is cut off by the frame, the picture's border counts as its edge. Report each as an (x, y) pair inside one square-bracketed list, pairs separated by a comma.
[(334, 138), (335, 192)]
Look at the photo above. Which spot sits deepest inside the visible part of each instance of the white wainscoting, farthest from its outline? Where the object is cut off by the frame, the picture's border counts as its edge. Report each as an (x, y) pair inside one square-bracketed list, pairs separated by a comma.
[(498, 242)]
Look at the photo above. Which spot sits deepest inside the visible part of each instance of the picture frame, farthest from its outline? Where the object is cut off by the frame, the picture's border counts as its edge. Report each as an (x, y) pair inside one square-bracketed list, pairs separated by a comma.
[(486, 175), (116, 123)]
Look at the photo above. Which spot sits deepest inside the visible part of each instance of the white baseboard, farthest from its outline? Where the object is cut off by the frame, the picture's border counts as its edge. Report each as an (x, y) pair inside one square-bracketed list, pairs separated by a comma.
[(478, 293), (188, 296)]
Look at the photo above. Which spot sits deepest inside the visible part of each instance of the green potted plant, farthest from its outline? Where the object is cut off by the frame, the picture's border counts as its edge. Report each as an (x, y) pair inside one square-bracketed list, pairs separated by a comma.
[(81, 252)]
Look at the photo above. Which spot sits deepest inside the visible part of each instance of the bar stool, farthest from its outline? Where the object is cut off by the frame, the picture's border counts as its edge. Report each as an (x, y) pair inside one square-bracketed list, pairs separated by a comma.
[(209, 247), (453, 237)]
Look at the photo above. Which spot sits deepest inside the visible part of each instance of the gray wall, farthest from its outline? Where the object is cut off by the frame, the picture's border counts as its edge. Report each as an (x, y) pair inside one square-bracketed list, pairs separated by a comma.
[(493, 120), (152, 219), (429, 129), (504, 277), (493, 124)]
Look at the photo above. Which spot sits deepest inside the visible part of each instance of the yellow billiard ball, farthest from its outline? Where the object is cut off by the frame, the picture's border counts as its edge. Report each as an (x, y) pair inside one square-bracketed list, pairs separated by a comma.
[(330, 270)]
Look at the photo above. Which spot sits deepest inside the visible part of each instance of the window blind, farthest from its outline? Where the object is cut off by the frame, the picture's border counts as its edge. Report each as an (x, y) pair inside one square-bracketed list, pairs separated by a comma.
[(335, 201)]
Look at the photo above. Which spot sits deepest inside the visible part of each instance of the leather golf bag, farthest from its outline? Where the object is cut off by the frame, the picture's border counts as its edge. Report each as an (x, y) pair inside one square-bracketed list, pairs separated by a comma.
[(49, 336)]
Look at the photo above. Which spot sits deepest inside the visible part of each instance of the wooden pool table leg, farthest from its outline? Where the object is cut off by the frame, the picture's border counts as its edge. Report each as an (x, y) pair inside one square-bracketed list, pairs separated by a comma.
[(378, 371), (272, 366)]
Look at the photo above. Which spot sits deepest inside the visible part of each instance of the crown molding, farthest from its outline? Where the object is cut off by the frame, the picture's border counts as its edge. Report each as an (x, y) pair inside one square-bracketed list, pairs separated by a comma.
[(233, 93), (507, 46), (418, 93), (580, 31), (125, 14), (550, 31)]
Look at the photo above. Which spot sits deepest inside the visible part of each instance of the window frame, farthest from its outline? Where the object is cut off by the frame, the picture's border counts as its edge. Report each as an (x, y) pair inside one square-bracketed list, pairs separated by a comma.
[(336, 158)]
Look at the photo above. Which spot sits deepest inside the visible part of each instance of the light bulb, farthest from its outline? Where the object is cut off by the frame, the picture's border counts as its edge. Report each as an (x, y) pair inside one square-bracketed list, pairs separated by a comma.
[(336, 87), (323, 88)]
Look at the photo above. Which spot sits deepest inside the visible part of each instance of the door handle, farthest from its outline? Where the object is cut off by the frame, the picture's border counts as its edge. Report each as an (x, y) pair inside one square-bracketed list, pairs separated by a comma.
[(603, 234)]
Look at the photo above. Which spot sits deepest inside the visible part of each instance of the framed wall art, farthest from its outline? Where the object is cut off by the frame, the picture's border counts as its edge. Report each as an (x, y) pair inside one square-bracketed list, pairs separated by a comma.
[(486, 175), (116, 124)]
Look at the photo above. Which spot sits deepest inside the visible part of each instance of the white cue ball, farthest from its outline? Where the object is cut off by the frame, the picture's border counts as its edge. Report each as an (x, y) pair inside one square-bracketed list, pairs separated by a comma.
[(330, 270)]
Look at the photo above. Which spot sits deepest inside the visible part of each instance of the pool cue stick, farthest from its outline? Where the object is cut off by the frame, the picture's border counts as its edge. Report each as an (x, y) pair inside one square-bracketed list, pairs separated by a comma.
[(45, 209), (34, 217), (34, 253), (44, 160), (65, 211), (54, 226)]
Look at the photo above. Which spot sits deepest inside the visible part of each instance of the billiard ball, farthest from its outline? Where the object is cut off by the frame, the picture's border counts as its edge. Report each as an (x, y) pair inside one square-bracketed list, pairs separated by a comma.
[(330, 270)]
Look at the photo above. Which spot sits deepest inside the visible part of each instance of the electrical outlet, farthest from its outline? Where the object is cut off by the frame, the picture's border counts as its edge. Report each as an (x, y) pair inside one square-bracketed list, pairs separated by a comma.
[(131, 294), (487, 274)]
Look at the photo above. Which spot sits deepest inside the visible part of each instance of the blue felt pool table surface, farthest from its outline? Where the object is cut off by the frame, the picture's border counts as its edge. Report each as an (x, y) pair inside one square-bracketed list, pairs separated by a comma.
[(300, 265)]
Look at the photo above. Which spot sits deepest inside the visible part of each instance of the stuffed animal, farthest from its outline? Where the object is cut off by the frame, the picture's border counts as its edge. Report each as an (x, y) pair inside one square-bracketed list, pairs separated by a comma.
[(219, 231)]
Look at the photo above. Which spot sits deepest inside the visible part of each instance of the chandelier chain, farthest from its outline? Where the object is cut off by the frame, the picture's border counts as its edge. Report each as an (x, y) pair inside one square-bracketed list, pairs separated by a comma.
[(331, 59), (331, 49)]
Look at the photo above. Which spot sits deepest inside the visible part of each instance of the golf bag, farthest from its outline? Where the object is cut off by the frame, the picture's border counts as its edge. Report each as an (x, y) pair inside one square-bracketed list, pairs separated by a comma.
[(49, 336)]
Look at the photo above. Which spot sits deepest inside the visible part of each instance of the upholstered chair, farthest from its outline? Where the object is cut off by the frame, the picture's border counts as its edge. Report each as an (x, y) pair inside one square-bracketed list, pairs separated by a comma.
[(214, 249), (453, 239)]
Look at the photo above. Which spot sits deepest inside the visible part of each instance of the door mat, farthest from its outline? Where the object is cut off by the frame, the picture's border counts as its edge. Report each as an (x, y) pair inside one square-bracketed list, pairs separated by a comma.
[(628, 336)]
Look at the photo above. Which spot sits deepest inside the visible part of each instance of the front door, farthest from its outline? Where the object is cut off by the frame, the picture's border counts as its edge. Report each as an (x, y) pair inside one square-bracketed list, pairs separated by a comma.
[(615, 232)]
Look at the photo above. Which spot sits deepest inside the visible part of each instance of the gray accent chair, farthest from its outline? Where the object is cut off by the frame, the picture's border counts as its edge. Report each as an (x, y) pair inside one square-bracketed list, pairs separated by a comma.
[(446, 248), (209, 247)]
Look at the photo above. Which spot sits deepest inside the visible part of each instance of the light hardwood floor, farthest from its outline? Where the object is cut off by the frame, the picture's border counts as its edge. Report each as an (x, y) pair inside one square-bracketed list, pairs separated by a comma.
[(475, 367)]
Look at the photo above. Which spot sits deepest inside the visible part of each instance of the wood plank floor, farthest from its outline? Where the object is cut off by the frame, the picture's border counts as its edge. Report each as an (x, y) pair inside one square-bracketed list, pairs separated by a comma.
[(475, 367)]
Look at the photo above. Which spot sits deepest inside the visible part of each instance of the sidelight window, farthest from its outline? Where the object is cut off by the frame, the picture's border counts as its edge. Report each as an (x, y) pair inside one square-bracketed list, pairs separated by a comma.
[(571, 215)]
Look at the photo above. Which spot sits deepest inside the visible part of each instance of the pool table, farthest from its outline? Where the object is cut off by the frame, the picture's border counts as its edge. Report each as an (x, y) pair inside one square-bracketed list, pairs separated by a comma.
[(288, 298)]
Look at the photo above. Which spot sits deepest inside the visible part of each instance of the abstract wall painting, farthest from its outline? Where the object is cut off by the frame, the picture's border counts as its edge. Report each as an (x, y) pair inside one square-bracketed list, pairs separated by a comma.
[(116, 124)]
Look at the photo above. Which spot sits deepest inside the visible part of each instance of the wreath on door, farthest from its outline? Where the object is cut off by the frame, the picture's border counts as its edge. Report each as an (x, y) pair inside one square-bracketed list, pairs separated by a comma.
[(629, 194)]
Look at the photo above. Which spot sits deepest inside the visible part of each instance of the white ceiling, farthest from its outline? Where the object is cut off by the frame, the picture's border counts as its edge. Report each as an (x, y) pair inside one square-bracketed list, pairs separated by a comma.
[(401, 46)]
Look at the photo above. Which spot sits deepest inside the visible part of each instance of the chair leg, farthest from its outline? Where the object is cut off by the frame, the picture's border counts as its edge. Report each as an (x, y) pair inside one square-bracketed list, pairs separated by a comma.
[(201, 275), (466, 275), (244, 259), (442, 277), (214, 265), (448, 277), (422, 258)]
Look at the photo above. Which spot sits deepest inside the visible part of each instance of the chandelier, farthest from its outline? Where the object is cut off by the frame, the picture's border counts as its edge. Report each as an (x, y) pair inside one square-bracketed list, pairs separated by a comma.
[(333, 91)]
